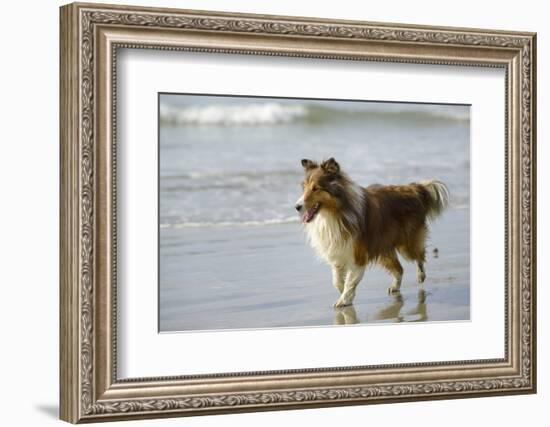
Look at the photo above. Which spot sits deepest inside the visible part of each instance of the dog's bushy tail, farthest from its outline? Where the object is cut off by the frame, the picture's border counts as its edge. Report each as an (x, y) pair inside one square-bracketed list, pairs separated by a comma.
[(438, 197)]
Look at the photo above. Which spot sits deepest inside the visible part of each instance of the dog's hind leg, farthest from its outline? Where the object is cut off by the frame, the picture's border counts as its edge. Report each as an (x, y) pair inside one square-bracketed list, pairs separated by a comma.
[(355, 274), (338, 277), (391, 263), (420, 272), (415, 250)]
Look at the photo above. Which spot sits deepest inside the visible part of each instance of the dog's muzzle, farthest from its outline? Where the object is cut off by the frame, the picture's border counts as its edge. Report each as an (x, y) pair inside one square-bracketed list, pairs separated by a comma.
[(299, 204)]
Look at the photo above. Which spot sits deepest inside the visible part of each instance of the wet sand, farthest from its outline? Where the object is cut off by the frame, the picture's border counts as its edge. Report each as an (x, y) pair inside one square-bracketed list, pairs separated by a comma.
[(268, 277)]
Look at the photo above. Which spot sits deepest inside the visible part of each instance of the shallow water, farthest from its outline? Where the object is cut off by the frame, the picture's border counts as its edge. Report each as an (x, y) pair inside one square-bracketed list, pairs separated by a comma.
[(232, 254), (267, 276)]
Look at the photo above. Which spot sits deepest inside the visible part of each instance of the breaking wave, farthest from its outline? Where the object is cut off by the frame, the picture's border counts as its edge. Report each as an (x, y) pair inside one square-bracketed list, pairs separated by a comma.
[(232, 115)]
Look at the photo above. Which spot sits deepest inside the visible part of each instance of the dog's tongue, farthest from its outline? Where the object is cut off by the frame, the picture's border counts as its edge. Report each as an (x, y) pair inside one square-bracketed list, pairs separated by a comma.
[(308, 215)]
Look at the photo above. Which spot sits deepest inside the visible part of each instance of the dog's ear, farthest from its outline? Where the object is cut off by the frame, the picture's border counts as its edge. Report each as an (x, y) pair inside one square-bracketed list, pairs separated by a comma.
[(331, 166), (308, 164)]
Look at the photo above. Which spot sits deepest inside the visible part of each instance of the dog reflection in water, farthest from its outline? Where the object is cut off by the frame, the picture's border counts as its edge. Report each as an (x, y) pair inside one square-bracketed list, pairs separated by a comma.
[(348, 316), (345, 315)]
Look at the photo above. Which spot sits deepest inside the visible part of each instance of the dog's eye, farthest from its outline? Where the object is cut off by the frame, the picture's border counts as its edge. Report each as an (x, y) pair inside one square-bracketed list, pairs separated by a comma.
[(316, 188)]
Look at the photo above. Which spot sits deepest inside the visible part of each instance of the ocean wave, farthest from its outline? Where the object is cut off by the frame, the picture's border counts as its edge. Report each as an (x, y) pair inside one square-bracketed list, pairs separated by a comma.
[(232, 115), (273, 113), (273, 221)]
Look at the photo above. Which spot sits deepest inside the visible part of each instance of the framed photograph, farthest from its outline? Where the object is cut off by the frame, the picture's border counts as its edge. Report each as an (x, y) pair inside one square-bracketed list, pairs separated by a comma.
[(267, 212)]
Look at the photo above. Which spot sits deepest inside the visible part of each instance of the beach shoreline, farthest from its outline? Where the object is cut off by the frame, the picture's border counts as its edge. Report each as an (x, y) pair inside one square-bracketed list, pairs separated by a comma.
[(216, 278)]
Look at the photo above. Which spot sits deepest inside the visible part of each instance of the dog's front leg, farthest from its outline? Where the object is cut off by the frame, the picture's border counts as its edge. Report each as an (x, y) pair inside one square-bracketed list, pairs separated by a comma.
[(338, 276), (355, 274)]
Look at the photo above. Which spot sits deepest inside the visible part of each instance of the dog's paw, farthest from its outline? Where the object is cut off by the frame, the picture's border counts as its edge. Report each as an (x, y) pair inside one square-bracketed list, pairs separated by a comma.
[(420, 276), (394, 290), (341, 302)]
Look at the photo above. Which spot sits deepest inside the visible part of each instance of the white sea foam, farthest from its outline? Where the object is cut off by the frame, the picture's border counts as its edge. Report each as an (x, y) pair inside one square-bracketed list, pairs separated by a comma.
[(273, 221), (235, 115)]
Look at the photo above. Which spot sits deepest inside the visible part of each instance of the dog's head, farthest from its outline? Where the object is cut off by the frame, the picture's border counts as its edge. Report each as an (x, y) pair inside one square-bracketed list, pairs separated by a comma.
[(321, 188)]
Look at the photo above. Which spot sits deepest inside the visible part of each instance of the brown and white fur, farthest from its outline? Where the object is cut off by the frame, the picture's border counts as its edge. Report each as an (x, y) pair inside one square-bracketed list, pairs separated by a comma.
[(351, 227)]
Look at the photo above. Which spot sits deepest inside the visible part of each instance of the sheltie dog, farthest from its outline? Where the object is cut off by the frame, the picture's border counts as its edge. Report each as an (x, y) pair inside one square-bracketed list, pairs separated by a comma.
[(351, 227)]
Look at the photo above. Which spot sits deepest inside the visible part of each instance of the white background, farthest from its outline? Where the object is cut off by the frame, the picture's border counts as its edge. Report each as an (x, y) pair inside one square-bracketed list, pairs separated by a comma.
[(29, 174), (143, 352)]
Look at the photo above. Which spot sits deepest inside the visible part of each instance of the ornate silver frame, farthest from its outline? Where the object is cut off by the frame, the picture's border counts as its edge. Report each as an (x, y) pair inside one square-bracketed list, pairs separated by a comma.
[(90, 36)]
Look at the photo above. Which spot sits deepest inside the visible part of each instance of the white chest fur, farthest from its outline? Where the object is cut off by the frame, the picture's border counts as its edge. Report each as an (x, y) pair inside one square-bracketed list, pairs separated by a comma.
[(327, 236)]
